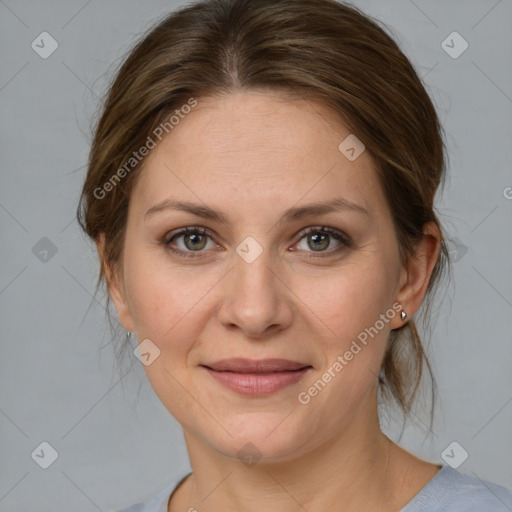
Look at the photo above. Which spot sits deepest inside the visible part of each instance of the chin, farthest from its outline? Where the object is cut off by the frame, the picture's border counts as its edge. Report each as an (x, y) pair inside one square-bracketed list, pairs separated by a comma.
[(267, 439)]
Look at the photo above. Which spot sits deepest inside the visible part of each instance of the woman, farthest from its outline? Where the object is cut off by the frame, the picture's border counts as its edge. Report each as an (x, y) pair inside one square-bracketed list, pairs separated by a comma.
[(260, 190)]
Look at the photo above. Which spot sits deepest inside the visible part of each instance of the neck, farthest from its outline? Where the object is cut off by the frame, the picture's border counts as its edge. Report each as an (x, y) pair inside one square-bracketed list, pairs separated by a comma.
[(352, 468)]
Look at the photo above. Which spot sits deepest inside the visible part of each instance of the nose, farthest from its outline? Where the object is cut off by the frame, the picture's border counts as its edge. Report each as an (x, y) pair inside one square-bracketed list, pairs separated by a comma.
[(255, 299)]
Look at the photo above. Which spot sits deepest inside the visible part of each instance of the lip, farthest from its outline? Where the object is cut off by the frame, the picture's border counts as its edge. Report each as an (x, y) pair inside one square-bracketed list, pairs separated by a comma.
[(257, 378), (241, 365)]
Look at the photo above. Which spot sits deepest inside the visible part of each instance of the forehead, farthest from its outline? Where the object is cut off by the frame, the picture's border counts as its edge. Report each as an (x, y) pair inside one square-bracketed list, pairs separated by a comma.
[(257, 146)]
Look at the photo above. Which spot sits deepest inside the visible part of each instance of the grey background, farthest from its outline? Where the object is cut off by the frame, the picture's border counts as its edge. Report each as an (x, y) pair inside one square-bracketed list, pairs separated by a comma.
[(116, 443)]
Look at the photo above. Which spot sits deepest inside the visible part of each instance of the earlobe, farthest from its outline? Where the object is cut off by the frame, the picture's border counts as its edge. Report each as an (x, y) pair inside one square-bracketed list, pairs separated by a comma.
[(419, 270), (115, 287)]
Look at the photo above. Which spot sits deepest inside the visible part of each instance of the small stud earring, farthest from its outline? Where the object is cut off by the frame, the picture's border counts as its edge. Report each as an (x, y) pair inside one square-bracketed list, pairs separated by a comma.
[(403, 315)]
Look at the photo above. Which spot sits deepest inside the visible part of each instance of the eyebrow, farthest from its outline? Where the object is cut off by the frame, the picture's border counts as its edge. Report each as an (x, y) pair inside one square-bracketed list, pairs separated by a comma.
[(295, 213)]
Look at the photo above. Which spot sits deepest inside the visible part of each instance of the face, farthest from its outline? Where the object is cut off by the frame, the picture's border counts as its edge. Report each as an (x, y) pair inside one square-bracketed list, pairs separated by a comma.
[(265, 277)]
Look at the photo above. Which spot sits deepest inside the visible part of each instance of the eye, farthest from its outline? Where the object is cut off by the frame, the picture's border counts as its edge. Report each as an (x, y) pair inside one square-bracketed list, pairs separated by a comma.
[(318, 239), (194, 240)]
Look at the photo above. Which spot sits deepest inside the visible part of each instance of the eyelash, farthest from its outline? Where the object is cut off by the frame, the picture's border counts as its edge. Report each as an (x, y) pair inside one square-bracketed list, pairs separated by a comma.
[(340, 237)]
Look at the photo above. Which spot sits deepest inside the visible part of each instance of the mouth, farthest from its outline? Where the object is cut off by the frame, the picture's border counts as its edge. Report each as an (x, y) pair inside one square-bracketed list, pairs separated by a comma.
[(257, 378)]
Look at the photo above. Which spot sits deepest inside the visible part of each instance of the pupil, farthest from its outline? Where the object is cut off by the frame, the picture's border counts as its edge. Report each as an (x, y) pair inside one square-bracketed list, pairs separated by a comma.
[(319, 238), (195, 239)]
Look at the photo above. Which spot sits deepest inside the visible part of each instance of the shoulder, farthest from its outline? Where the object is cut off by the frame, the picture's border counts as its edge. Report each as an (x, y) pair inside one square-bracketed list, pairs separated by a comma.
[(452, 491), (156, 503)]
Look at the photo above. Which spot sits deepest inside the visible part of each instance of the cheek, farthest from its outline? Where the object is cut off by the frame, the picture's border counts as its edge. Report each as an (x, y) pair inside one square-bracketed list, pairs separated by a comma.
[(345, 315), (345, 311), (167, 301), (344, 301), (167, 305)]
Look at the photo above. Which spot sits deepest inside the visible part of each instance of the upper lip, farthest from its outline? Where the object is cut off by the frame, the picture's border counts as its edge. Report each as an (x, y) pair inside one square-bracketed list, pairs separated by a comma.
[(241, 365)]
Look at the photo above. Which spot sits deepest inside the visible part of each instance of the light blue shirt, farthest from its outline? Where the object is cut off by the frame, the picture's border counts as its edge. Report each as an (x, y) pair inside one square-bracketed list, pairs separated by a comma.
[(448, 491)]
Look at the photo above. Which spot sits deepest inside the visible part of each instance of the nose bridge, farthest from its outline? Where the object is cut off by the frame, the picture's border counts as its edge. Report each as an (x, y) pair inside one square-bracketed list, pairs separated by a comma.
[(253, 265), (255, 299)]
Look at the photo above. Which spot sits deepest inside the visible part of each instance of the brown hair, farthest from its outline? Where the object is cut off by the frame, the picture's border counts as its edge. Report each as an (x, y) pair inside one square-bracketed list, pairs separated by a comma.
[(317, 49)]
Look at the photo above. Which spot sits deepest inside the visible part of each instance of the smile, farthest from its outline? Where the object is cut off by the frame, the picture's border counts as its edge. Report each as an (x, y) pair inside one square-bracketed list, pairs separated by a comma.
[(257, 383)]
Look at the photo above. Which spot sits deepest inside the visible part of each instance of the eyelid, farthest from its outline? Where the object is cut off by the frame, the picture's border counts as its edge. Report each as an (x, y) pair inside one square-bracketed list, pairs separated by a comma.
[(340, 236), (188, 229), (324, 229)]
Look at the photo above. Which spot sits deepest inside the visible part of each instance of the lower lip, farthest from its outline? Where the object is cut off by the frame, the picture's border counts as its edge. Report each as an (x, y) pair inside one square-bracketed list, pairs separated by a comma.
[(258, 384)]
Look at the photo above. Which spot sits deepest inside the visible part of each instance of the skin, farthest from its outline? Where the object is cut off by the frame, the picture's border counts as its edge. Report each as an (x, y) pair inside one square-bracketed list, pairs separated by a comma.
[(251, 156)]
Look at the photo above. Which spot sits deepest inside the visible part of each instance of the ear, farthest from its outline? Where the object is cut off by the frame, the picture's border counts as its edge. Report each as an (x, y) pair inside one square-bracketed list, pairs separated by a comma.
[(115, 287), (415, 278)]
